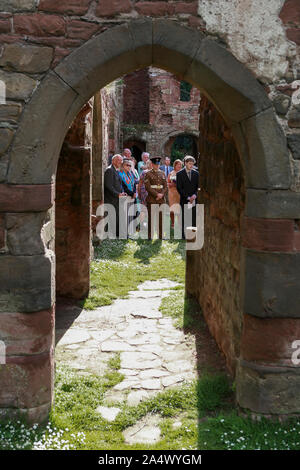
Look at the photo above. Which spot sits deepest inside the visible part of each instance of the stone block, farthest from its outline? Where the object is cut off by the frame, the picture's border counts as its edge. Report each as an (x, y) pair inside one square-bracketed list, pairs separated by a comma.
[(293, 34), (141, 32), (2, 233), (65, 7), (6, 136), (18, 85), (5, 26), (27, 283), (18, 5), (113, 7), (26, 198), (294, 118), (24, 233), (27, 333), (272, 284), (155, 9), (281, 104), (38, 414), (3, 168), (268, 159), (269, 340), (39, 25), (231, 87), (269, 234), (290, 12), (186, 8), (45, 125), (174, 46), (272, 204), (23, 58), (100, 61), (293, 141), (26, 381), (10, 111), (272, 391), (81, 29)]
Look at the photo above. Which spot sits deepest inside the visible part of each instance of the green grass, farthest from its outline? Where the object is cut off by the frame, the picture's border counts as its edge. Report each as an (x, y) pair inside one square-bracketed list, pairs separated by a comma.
[(184, 310), (205, 407), (121, 265), (208, 422)]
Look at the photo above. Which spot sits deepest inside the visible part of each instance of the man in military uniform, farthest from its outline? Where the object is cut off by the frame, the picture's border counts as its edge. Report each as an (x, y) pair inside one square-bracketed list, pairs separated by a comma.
[(156, 187)]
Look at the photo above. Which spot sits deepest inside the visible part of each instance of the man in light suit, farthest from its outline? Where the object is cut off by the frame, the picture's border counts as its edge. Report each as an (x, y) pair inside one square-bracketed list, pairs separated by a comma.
[(113, 188), (187, 182), (166, 168)]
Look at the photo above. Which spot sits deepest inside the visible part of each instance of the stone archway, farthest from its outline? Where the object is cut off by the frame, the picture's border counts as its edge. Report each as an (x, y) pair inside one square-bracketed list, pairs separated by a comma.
[(269, 266), (170, 140)]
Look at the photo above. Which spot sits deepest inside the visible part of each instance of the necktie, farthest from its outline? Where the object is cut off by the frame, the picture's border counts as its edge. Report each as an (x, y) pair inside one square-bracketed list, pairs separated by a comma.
[(190, 175)]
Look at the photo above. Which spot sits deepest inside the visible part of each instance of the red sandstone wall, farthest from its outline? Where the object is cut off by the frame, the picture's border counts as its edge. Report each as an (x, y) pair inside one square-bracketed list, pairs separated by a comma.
[(215, 275), (66, 24), (73, 209), (136, 97), (152, 96), (112, 108), (290, 16)]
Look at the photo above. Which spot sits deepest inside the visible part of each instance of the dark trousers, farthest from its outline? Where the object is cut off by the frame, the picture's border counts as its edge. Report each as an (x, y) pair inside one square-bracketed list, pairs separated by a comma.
[(185, 222)]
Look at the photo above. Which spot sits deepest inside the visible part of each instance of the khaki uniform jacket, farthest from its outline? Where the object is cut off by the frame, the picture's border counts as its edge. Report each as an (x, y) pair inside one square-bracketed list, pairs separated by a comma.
[(155, 182)]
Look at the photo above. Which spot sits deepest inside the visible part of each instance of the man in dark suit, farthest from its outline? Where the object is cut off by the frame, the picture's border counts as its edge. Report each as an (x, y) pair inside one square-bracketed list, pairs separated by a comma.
[(113, 188), (187, 181)]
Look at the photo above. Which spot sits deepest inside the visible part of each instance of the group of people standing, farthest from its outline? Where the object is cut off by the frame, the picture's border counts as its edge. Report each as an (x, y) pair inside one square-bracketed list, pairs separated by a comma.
[(151, 184)]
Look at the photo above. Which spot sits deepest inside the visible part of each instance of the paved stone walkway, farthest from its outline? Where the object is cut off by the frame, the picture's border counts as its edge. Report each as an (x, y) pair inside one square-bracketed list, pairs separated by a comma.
[(154, 354)]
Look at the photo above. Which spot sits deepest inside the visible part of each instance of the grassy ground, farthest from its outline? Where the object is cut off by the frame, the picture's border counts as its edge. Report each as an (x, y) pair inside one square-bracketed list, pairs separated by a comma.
[(205, 407), (121, 265)]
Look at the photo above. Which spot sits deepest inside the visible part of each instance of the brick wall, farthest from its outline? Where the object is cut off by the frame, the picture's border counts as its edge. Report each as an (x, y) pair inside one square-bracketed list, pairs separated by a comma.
[(152, 96), (214, 277), (136, 97)]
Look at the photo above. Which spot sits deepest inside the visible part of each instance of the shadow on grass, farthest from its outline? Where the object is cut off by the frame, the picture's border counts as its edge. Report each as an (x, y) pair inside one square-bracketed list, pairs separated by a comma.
[(214, 386), (110, 249), (147, 249)]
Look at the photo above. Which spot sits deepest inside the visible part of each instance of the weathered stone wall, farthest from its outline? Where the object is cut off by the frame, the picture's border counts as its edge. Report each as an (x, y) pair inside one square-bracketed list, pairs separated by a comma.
[(263, 36), (37, 35), (73, 209), (112, 110), (156, 115), (214, 272), (136, 89)]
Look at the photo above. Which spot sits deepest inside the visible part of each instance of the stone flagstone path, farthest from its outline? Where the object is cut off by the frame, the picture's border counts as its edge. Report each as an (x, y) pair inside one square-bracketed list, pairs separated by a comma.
[(154, 354)]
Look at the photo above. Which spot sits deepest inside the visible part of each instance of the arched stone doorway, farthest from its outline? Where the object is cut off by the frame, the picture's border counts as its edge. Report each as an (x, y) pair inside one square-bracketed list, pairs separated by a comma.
[(269, 265), (136, 146), (186, 143)]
